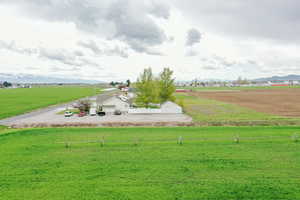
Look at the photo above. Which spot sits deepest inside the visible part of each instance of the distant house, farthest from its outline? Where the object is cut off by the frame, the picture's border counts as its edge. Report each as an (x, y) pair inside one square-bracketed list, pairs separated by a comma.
[(110, 105)]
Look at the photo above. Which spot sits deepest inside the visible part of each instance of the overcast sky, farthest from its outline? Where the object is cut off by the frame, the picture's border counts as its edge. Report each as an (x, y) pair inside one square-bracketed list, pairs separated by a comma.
[(115, 39)]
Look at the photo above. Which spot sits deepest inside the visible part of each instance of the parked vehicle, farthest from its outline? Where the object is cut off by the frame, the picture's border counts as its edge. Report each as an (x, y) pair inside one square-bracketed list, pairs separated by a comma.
[(101, 113), (68, 114), (118, 112), (93, 111), (81, 114)]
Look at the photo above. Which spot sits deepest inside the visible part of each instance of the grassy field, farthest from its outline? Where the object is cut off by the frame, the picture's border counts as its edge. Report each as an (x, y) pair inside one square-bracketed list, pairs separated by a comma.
[(206, 110), (236, 88), (209, 164), (22, 100)]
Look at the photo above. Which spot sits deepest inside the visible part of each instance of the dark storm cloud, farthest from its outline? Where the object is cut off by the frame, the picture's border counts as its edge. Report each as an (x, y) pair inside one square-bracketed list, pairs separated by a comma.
[(95, 48), (210, 67), (130, 21), (191, 53), (75, 58), (268, 19), (193, 37), (66, 57), (91, 45), (216, 62), (78, 53), (12, 46)]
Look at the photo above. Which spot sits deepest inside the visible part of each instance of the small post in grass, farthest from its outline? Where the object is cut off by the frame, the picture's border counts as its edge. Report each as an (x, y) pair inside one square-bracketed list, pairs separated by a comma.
[(295, 138), (180, 140), (237, 139), (102, 142), (136, 142), (67, 145)]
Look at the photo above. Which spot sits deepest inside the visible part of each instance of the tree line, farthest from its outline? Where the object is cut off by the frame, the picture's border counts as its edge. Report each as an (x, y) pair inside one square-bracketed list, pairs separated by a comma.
[(5, 84)]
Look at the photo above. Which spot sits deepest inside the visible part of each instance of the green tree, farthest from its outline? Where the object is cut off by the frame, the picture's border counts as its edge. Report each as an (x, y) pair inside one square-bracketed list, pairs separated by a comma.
[(7, 84), (166, 86), (128, 83), (112, 83), (147, 89)]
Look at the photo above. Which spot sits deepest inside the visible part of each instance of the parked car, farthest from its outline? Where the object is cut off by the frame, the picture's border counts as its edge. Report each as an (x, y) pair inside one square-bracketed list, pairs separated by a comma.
[(81, 114), (93, 111), (118, 112), (68, 113), (101, 113)]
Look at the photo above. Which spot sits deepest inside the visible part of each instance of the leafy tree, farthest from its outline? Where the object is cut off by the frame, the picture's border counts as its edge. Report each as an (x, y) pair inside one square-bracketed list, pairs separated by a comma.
[(83, 105), (128, 83), (147, 90), (166, 86), (112, 83), (7, 84), (241, 81)]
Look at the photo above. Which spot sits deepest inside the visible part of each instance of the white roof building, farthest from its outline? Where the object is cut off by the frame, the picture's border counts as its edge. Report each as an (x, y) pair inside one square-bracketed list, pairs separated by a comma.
[(114, 103), (170, 108)]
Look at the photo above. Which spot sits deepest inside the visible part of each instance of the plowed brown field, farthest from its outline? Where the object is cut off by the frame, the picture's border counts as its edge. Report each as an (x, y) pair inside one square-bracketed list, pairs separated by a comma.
[(282, 102)]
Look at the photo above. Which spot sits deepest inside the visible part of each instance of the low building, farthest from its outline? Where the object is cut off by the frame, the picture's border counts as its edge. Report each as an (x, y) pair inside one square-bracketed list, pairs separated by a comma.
[(110, 105), (165, 108), (170, 107)]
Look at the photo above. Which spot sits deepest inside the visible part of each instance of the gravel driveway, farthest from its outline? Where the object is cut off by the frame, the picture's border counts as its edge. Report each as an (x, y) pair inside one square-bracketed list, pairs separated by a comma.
[(49, 116)]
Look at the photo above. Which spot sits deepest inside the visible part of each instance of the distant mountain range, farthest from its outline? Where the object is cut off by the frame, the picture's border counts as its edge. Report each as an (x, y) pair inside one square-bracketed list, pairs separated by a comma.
[(291, 77), (30, 78)]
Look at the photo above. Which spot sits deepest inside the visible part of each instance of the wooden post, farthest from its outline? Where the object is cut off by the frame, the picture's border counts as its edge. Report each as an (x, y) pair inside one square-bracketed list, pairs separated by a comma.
[(295, 138), (180, 140), (102, 142), (136, 142), (67, 145), (237, 139)]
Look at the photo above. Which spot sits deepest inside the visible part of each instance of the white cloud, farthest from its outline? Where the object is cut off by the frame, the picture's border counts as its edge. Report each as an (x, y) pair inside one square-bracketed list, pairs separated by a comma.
[(116, 39)]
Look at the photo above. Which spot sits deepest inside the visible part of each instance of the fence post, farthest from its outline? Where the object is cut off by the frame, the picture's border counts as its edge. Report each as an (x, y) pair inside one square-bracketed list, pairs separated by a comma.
[(102, 142), (237, 139), (180, 140), (295, 138), (136, 142), (67, 145)]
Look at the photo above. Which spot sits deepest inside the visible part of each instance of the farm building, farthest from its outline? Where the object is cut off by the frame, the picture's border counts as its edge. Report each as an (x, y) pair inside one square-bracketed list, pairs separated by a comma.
[(170, 107), (110, 105), (165, 108)]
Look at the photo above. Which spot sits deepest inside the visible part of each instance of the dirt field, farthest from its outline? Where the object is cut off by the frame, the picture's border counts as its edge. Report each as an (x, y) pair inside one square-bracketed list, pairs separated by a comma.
[(281, 102)]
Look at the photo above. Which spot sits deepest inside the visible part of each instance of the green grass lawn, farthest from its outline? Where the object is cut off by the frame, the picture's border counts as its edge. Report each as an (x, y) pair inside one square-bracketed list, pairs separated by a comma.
[(209, 164), (22, 100), (237, 88)]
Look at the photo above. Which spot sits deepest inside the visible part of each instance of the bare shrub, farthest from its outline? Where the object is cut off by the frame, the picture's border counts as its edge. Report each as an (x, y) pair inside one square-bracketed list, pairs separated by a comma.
[(83, 105)]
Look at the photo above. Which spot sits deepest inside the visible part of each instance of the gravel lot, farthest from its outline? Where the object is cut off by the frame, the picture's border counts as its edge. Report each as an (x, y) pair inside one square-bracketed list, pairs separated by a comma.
[(52, 118), (49, 116)]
